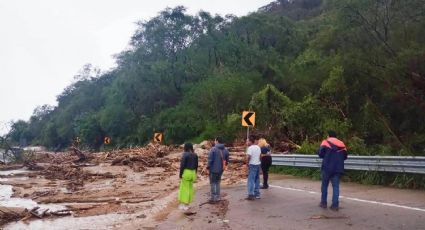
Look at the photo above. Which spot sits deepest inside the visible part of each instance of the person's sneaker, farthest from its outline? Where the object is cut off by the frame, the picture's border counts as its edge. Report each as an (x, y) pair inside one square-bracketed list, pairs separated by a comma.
[(322, 205), (250, 198), (257, 197), (264, 187), (334, 208)]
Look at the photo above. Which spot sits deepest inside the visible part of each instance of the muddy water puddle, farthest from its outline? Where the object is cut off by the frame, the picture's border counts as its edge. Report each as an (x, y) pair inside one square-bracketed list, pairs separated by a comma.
[(13, 172), (112, 221), (137, 220), (6, 200)]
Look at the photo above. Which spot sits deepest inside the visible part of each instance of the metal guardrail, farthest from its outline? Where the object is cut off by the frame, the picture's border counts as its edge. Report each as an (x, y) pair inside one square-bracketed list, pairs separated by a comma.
[(403, 164)]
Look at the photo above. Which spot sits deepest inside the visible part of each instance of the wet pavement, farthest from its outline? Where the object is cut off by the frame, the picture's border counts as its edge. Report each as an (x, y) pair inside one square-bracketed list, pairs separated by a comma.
[(292, 203)]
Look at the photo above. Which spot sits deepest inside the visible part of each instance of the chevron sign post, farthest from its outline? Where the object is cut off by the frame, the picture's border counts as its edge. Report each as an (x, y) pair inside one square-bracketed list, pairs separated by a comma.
[(248, 120), (157, 137)]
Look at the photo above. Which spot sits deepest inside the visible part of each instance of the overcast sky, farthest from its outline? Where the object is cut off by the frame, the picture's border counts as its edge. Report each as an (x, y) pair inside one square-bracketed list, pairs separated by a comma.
[(44, 43)]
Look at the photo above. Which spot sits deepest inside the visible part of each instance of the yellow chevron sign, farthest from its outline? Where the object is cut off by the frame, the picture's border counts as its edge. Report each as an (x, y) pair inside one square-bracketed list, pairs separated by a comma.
[(248, 118)]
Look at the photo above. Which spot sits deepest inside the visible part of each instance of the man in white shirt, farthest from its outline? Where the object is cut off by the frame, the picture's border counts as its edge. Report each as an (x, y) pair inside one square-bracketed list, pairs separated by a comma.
[(253, 163)]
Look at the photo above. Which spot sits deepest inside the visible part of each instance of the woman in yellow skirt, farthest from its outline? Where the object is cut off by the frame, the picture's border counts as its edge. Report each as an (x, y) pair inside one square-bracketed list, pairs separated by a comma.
[(188, 170)]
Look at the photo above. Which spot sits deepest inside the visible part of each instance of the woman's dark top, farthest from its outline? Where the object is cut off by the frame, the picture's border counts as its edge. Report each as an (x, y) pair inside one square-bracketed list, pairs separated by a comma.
[(266, 158), (188, 161), (265, 150)]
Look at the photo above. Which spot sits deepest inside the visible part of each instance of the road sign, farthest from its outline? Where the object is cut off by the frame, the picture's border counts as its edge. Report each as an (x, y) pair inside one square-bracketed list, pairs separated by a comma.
[(107, 140), (157, 137), (248, 118)]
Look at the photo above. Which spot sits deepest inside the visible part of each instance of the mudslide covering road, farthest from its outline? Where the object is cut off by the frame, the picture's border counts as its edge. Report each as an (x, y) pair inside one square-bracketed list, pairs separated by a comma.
[(133, 188), (137, 189)]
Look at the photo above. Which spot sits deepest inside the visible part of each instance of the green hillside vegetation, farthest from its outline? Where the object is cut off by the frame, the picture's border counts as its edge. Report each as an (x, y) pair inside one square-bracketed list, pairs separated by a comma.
[(355, 66)]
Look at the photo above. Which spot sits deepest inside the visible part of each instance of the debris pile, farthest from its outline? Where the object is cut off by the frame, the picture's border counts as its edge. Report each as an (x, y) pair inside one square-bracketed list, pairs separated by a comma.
[(74, 175), (11, 214), (31, 165), (41, 213), (23, 214), (55, 158), (81, 156), (139, 159), (236, 169), (284, 146), (108, 182)]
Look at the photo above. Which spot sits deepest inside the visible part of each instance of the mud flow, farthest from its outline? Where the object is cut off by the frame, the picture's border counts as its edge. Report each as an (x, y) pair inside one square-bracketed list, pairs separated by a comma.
[(105, 190)]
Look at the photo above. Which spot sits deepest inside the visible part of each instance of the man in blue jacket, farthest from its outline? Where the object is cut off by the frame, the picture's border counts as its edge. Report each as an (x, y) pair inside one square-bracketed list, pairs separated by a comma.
[(334, 153), (218, 158)]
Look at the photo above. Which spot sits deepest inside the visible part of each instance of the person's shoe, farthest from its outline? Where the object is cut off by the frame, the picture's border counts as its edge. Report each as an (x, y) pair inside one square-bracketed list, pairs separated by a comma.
[(334, 208), (257, 197), (264, 187), (322, 205), (250, 198)]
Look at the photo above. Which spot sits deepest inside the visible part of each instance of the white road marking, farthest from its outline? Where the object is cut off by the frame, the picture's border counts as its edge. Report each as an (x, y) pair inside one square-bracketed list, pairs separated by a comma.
[(354, 199)]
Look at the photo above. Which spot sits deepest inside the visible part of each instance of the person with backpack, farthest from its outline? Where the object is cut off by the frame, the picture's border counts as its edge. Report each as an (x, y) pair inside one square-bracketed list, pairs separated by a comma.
[(188, 170), (218, 159), (334, 153)]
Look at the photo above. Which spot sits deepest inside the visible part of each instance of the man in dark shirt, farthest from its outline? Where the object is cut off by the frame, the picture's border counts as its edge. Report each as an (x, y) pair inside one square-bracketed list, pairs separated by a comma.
[(218, 158), (334, 153)]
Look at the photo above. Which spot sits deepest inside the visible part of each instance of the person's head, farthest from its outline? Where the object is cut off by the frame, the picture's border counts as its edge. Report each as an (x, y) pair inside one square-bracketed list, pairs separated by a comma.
[(188, 147), (218, 140), (262, 142), (331, 133), (251, 140)]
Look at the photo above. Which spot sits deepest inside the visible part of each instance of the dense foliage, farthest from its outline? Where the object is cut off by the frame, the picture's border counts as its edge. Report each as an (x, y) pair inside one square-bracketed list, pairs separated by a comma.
[(356, 66)]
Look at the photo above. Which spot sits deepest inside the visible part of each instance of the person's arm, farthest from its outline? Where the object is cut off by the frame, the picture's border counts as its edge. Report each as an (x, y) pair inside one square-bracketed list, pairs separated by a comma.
[(227, 156), (248, 156), (264, 152), (345, 155), (196, 163), (182, 165), (322, 150), (210, 159)]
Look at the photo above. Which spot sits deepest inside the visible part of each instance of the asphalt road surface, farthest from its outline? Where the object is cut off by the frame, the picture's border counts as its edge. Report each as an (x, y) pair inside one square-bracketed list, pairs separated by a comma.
[(292, 203)]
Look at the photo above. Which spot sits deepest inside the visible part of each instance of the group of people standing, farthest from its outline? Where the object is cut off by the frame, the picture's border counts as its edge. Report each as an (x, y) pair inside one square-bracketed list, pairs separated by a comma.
[(258, 156)]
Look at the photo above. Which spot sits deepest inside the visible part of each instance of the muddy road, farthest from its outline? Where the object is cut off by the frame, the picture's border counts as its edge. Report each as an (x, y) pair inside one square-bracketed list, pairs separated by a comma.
[(137, 189), (133, 188)]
